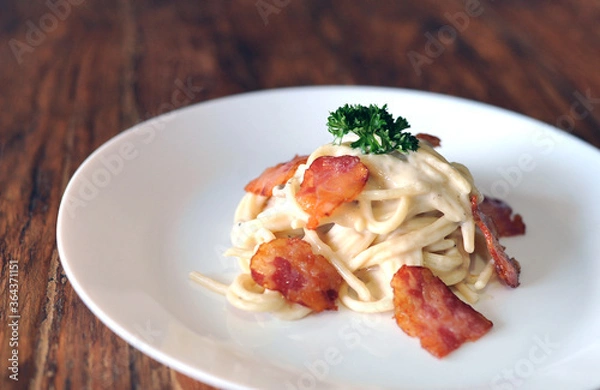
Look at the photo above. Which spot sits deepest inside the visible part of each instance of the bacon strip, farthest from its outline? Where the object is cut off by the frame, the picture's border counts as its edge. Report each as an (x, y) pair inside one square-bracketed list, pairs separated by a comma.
[(329, 182), (500, 213), (508, 269), (274, 176), (432, 139), (288, 265), (426, 308)]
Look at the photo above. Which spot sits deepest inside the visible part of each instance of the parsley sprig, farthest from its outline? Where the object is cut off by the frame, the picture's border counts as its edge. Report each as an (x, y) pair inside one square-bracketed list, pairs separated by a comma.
[(377, 131)]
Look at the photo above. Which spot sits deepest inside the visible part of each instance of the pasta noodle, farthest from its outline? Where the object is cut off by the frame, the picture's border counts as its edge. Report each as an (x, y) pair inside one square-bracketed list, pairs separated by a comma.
[(414, 209)]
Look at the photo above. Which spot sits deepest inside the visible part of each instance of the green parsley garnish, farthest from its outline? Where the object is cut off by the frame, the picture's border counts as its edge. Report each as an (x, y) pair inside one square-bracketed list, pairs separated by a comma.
[(377, 131)]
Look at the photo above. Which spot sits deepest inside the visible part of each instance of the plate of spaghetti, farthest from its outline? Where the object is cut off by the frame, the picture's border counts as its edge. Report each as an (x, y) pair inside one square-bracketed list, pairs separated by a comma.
[(344, 237)]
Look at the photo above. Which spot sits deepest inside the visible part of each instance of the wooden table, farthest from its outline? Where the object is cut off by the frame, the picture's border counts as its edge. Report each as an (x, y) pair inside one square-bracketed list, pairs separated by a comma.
[(74, 73)]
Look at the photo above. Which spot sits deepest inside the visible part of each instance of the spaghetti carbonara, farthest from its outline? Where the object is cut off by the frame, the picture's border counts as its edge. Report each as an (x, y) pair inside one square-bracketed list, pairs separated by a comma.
[(414, 209)]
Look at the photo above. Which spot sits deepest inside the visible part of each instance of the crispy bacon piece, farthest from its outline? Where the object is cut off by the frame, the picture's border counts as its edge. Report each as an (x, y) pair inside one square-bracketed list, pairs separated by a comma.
[(508, 269), (288, 265), (500, 213), (432, 139), (329, 182), (274, 176), (426, 308)]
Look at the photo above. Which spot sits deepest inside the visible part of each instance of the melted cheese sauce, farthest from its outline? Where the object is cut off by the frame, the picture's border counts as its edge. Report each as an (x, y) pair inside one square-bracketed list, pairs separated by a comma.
[(413, 210)]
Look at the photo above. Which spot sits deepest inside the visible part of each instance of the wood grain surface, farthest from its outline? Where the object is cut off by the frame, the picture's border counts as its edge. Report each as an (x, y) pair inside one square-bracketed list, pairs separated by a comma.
[(74, 73)]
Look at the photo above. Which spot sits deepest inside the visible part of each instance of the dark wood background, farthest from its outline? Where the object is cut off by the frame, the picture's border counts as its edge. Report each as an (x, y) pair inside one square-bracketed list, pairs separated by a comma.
[(74, 73)]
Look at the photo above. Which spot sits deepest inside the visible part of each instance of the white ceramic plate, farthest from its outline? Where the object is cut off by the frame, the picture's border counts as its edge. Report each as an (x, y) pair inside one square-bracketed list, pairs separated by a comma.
[(157, 201)]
